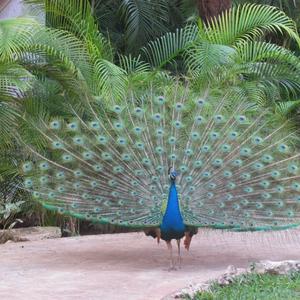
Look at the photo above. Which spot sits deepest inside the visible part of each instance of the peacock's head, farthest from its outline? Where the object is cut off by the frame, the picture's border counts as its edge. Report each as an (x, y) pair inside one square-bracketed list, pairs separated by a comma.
[(172, 174)]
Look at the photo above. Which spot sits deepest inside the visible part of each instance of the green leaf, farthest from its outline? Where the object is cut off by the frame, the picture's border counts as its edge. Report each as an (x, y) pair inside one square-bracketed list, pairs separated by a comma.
[(166, 48), (249, 21)]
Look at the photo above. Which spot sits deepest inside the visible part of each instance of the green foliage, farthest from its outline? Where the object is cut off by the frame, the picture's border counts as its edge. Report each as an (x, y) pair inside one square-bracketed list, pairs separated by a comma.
[(246, 22), (9, 206), (288, 108), (40, 69), (15, 34), (143, 17), (127, 24), (131, 24), (8, 210), (111, 78), (253, 286), (231, 51), (290, 7), (168, 47)]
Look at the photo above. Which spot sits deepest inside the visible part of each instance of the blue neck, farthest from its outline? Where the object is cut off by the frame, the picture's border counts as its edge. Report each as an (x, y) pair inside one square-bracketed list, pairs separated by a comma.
[(172, 219)]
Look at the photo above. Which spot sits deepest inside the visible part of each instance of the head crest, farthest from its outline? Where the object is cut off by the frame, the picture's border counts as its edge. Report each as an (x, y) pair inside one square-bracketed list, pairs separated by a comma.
[(172, 174)]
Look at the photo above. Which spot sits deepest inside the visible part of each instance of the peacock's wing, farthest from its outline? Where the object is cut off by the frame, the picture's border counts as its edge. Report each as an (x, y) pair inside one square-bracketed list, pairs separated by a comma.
[(110, 164)]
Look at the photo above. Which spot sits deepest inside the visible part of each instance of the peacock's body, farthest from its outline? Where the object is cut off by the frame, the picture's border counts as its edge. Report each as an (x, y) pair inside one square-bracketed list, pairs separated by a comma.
[(116, 162), (172, 225)]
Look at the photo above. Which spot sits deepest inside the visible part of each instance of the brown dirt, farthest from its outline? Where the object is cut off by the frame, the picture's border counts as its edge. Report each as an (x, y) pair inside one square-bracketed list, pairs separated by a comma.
[(128, 266)]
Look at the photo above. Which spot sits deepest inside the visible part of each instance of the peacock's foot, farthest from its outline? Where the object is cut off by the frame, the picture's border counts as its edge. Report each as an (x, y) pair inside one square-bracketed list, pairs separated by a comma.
[(179, 263), (173, 268)]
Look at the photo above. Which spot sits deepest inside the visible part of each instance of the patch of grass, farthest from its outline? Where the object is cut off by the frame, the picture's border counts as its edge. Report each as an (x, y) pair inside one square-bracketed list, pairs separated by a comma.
[(256, 287)]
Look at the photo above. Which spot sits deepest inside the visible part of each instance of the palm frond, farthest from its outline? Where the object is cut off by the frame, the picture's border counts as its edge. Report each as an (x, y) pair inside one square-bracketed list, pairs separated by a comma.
[(8, 121), (15, 34), (14, 81), (203, 58), (270, 66), (25, 39), (288, 108), (166, 48), (58, 44), (133, 65), (111, 79), (251, 51), (143, 20), (249, 21), (75, 16)]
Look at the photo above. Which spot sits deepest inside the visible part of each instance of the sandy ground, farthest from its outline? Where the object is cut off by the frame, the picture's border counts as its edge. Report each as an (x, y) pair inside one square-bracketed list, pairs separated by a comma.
[(128, 266)]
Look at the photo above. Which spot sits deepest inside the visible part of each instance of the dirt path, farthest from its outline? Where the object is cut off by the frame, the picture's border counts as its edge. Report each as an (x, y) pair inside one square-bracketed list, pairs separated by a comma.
[(128, 266)]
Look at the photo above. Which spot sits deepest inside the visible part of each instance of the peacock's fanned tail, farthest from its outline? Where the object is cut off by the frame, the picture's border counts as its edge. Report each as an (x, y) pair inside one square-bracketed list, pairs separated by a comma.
[(109, 163)]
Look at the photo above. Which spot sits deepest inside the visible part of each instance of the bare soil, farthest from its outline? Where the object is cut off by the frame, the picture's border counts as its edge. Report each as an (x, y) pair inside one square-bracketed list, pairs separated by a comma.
[(129, 266)]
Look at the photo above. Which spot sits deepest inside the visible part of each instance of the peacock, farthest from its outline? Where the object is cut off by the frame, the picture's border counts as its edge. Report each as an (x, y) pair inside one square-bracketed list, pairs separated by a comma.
[(167, 160)]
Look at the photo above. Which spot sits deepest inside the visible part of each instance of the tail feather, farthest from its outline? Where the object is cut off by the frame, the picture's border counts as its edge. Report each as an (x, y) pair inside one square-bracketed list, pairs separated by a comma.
[(110, 163)]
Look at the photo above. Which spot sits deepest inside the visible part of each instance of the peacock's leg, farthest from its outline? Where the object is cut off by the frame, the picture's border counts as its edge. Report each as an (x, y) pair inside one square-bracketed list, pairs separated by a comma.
[(172, 266), (179, 258)]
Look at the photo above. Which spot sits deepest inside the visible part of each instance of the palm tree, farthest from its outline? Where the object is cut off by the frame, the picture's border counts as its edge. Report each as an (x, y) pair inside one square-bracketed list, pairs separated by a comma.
[(231, 52), (40, 69), (128, 25), (292, 9), (77, 61)]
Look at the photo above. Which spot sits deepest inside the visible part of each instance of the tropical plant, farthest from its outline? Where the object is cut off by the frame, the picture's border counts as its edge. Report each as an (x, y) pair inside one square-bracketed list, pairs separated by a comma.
[(40, 68), (231, 52), (11, 197), (292, 9), (198, 51), (129, 25)]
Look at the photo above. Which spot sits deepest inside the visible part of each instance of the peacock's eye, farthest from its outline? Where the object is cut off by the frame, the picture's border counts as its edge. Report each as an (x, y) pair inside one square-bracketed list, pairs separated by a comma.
[(117, 109)]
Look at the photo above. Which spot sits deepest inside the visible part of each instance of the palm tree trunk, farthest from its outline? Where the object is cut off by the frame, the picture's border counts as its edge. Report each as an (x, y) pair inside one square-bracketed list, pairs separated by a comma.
[(211, 8)]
